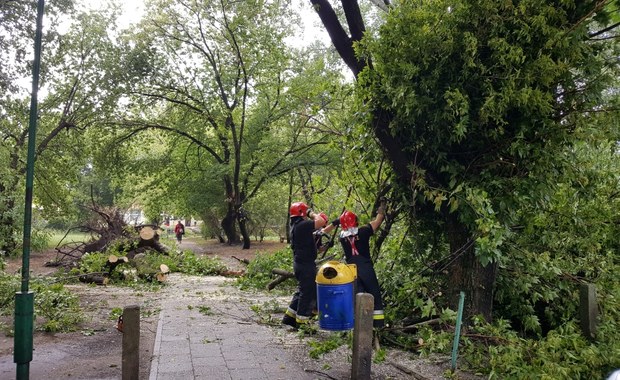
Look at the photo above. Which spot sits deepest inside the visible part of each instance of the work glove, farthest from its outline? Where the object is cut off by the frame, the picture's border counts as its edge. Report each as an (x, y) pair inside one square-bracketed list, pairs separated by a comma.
[(324, 216), (382, 206)]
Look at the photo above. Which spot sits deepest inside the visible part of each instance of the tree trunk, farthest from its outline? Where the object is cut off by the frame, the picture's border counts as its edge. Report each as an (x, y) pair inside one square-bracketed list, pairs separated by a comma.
[(287, 226), (467, 274), (228, 225), (244, 231)]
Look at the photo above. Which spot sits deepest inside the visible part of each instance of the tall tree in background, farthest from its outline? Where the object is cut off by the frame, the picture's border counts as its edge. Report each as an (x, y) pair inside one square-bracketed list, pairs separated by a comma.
[(220, 82), (77, 92), (17, 40), (473, 102), (16, 46), (84, 84)]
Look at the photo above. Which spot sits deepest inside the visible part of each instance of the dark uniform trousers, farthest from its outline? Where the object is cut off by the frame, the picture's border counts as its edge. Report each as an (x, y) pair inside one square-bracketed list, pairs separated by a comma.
[(367, 283)]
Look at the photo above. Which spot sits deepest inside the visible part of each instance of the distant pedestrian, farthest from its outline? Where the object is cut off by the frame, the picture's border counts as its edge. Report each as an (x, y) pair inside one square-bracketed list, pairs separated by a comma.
[(179, 231)]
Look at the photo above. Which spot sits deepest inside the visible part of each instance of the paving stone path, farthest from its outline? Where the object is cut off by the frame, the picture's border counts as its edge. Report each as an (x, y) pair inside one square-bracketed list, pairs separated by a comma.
[(205, 332)]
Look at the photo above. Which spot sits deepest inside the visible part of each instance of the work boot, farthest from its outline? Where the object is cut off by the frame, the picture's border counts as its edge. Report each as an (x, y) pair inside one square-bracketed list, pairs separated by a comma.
[(315, 315), (378, 319), (290, 321)]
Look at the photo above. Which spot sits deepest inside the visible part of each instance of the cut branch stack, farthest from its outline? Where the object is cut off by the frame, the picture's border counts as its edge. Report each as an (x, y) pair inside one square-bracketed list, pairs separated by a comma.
[(108, 228)]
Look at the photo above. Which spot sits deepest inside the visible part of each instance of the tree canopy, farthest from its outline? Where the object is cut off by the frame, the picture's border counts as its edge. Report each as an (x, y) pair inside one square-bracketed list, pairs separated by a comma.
[(491, 127), (236, 104)]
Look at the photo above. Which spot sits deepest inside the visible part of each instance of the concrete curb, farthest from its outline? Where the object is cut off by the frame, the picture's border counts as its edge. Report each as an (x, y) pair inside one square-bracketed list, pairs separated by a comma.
[(156, 348)]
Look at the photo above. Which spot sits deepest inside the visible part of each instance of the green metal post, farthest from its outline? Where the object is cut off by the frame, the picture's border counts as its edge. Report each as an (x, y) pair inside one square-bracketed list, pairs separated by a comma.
[(24, 313), (457, 332), (24, 300)]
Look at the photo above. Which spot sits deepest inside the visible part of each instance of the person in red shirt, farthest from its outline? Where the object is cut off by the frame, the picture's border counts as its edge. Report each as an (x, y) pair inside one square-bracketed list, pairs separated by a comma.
[(179, 231)]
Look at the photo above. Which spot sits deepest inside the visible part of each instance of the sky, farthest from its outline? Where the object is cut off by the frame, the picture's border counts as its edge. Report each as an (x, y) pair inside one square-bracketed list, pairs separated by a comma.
[(132, 11), (312, 29)]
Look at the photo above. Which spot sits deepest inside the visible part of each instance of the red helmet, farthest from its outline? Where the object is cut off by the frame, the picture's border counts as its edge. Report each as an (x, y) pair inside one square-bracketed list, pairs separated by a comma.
[(347, 220), (298, 209)]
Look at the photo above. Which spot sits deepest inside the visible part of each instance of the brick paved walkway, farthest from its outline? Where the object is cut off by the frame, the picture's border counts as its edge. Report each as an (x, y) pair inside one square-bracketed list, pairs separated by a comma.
[(208, 333)]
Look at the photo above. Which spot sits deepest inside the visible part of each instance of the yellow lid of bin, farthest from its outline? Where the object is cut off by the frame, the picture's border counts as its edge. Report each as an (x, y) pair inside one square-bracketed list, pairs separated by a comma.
[(335, 272)]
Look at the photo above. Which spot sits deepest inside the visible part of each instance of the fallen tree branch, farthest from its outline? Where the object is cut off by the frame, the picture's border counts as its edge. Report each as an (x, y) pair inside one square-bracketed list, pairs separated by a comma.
[(486, 338), (276, 282), (324, 260), (78, 276), (319, 373), (408, 371), (94, 279), (283, 273), (416, 326), (244, 261), (283, 276), (397, 343)]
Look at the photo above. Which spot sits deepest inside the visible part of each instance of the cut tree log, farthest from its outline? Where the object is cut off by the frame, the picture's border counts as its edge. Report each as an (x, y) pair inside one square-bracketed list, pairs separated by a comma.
[(163, 273), (150, 238), (147, 233), (114, 261), (92, 278), (148, 271)]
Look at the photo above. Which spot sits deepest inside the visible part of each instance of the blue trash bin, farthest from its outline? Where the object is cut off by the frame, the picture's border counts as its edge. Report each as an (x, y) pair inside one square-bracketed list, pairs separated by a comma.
[(335, 295)]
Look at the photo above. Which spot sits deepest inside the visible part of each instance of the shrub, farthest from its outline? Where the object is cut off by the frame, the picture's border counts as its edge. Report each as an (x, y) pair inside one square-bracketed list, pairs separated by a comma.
[(258, 274), (55, 308)]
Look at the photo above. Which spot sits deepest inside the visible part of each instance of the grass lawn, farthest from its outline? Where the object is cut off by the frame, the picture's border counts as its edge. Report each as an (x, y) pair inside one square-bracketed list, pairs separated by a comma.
[(73, 236)]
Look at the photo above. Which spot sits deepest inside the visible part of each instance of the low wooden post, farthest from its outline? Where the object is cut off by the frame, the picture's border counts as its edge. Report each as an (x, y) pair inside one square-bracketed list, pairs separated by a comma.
[(362, 337), (131, 343), (588, 310)]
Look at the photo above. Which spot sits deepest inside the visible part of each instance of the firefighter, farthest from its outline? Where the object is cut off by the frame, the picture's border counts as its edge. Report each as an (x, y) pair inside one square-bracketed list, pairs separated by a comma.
[(303, 224), (355, 243)]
